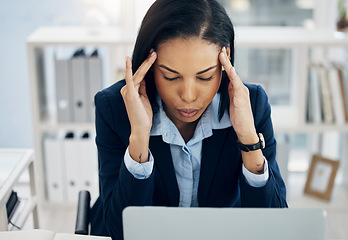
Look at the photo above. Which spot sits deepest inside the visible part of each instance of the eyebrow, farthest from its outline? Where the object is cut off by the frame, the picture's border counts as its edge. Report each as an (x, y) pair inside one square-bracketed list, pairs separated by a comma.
[(200, 72)]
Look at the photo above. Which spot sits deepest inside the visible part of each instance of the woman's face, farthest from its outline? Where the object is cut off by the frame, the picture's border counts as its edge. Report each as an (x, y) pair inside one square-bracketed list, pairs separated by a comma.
[(187, 76)]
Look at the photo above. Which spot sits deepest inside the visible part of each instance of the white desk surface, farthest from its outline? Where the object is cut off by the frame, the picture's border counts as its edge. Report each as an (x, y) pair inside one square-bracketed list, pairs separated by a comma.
[(39, 234), (8, 161), (13, 162)]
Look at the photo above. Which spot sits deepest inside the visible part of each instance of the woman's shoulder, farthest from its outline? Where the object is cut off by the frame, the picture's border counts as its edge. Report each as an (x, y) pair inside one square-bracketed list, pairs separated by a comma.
[(111, 112), (110, 95), (256, 93), (109, 100), (112, 92), (259, 102)]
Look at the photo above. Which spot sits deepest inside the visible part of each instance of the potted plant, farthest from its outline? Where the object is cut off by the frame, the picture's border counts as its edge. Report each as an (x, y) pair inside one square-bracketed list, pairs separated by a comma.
[(342, 22)]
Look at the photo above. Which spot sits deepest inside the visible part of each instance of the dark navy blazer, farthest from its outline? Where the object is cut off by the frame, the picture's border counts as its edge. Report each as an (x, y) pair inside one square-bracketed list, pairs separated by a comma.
[(221, 182)]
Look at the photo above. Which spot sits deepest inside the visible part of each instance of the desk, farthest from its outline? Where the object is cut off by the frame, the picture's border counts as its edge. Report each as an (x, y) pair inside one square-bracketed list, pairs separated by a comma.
[(13, 162), (40, 234)]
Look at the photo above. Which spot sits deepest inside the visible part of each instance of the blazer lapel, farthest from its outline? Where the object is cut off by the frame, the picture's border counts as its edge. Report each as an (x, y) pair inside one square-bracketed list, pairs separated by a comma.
[(211, 150), (165, 167)]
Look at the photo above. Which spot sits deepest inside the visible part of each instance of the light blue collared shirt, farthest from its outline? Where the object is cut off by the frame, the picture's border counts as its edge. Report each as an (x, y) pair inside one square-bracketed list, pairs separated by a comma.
[(187, 156)]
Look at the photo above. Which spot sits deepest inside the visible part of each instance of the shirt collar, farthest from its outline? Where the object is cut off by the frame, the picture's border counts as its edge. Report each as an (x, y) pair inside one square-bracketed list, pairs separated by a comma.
[(163, 126)]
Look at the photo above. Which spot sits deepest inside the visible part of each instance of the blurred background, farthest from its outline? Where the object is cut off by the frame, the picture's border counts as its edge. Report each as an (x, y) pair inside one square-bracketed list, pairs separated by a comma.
[(287, 46)]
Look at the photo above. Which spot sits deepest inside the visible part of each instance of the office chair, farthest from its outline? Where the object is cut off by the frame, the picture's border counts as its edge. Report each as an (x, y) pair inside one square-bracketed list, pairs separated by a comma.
[(83, 217)]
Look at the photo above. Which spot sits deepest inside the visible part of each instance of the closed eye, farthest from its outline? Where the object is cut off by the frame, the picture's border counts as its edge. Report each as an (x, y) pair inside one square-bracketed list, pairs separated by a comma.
[(205, 79), (170, 79), (200, 78)]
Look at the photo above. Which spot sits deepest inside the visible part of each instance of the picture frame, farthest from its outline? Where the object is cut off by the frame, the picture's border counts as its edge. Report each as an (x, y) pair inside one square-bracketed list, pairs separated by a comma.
[(321, 177)]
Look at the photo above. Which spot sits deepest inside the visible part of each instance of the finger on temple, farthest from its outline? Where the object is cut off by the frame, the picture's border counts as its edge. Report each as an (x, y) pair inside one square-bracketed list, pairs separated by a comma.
[(144, 68), (225, 62), (131, 90), (129, 74), (230, 70)]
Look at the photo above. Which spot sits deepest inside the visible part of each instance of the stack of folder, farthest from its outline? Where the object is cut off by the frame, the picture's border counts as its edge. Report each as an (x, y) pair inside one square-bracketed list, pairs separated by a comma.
[(327, 96), (77, 80), (71, 165)]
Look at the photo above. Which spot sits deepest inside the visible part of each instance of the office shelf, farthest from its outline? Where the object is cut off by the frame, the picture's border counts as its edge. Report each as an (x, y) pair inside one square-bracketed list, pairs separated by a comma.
[(287, 119), (40, 63)]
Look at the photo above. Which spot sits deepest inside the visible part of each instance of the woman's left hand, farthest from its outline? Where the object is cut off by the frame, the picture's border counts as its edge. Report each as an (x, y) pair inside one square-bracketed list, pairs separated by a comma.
[(241, 115)]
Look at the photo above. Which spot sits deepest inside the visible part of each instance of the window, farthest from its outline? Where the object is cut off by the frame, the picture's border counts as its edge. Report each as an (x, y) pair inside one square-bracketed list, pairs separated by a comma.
[(270, 12), (271, 68)]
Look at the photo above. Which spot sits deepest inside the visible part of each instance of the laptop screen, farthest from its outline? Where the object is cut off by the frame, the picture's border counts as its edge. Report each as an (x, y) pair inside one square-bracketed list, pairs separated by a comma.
[(170, 223)]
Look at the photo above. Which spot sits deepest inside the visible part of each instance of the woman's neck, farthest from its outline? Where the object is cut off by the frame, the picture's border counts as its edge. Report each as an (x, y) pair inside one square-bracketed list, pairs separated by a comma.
[(187, 130)]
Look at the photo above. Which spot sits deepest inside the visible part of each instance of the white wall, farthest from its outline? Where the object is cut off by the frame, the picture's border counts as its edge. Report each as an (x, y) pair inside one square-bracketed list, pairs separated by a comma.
[(19, 18)]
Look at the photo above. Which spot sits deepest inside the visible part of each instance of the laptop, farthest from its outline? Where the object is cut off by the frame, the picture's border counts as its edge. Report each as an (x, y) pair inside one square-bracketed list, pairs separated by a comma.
[(170, 223)]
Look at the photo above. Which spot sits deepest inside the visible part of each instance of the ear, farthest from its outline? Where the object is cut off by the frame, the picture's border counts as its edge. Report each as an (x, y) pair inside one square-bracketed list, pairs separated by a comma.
[(228, 51)]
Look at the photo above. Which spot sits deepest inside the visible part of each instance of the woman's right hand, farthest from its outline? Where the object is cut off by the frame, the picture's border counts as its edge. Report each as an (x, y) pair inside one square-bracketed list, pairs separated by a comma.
[(138, 108)]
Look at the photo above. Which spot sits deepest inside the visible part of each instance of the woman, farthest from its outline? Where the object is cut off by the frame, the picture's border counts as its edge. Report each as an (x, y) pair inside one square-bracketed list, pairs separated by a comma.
[(182, 129)]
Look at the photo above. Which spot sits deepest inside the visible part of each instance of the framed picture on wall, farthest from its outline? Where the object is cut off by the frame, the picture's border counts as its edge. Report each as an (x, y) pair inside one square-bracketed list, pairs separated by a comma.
[(321, 177)]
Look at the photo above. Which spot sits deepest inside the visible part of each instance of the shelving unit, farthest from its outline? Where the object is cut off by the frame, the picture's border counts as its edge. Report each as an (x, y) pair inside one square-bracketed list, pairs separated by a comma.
[(287, 119), (44, 119), (291, 118)]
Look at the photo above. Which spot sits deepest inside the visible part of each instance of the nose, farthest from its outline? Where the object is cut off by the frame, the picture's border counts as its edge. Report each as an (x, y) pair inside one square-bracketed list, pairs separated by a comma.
[(188, 91)]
